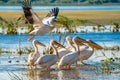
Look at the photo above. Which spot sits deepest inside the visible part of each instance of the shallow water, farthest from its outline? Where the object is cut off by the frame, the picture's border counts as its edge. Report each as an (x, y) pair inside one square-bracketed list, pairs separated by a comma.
[(18, 67), (14, 65)]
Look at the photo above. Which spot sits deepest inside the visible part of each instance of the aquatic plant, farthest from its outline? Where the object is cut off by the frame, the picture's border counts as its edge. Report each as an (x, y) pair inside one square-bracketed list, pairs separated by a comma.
[(109, 64), (116, 27), (27, 50), (10, 25), (0, 49)]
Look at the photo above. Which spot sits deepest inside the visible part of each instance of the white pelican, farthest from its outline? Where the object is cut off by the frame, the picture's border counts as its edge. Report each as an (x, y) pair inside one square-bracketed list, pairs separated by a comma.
[(34, 56), (41, 26), (72, 57), (70, 48), (48, 60), (86, 51)]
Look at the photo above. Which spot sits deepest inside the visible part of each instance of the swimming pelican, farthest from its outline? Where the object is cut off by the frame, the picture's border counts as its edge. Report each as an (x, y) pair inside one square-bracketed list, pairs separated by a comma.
[(48, 60), (43, 26), (34, 56), (71, 57)]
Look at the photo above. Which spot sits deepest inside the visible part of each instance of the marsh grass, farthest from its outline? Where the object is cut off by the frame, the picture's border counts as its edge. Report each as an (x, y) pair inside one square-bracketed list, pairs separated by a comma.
[(109, 64)]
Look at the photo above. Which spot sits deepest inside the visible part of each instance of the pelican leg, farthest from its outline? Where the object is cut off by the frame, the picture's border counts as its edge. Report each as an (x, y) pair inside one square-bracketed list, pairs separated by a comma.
[(76, 63), (69, 66), (30, 67)]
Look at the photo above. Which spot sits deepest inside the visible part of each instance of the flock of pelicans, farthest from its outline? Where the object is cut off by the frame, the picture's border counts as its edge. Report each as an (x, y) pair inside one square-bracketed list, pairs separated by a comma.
[(78, 49)]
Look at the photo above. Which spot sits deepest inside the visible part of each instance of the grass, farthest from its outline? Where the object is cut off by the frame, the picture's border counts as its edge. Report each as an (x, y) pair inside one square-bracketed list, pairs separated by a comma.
[(99, 16)]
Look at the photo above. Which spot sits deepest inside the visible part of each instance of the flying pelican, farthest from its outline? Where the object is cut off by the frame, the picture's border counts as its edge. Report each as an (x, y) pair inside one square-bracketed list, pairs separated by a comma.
[(71, 57), (34, 56), (41, 26), (48, 60)]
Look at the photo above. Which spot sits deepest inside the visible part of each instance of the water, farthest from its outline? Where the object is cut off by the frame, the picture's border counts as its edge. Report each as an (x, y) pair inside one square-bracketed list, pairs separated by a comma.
[(19, 8), (12, 65), (106, 37)]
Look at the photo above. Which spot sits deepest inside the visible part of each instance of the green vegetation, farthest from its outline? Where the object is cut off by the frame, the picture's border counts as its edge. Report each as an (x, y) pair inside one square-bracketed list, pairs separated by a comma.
[(63, 2)]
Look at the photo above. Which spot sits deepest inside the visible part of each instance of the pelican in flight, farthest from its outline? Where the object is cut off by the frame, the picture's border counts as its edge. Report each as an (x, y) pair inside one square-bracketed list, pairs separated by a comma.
[(41, 26), (48, 60), (72, 57), (34, 56)]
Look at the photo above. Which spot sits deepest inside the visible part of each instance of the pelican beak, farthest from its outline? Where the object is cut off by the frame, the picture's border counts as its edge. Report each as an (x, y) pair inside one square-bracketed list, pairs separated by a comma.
[(80, 40), (41, 44), (71, 42), (59, 45), (93, 44)]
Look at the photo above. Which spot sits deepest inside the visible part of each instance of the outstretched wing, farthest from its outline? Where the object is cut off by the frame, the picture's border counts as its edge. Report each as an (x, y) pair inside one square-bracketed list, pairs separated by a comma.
[(51, 16), (30, 16), (1, 19), (53, 12)]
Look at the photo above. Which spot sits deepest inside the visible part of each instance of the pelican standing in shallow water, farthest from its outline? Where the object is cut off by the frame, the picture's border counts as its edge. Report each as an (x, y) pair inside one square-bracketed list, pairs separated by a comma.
[(87, 50), (70, 58), (48, 60), (41, 26), (34, 56), (70, 48)]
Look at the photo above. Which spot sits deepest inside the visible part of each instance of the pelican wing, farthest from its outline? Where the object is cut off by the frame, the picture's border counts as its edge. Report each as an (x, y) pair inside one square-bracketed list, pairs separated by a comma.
[(53, 12), (51, 16), (69, 58), (1, 19), (30, 16), (46, 58)]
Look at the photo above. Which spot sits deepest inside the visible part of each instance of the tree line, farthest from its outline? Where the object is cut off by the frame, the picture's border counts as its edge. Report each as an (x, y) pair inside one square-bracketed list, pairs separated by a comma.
[(62, 2)]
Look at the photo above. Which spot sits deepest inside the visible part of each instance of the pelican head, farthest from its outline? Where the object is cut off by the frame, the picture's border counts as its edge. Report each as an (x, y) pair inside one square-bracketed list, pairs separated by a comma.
[(53, 42), (69, 38), (79, 40), (37, 42)]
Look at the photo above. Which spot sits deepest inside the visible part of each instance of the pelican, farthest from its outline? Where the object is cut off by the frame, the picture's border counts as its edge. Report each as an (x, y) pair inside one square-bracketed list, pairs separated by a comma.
[(87, 50), (48, 60), (70, 48), (34, 56), (71, 57), (41, 26)]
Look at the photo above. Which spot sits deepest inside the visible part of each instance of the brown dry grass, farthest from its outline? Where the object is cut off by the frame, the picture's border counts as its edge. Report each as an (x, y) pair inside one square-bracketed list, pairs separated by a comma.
[(101, 16)]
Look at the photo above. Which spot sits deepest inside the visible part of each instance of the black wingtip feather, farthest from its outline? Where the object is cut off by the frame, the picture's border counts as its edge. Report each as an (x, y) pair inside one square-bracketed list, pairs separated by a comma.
[(26, 4), (55, 10)]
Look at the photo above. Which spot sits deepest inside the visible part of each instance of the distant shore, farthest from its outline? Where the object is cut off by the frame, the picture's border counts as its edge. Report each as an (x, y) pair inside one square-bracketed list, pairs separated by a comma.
[(104, 17)]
